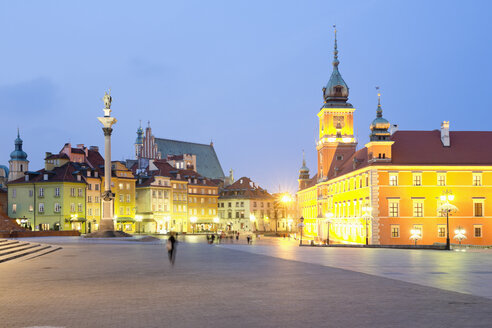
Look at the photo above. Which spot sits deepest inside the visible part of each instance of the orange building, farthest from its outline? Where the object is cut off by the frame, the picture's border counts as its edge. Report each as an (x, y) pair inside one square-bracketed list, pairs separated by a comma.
[(395, 190)]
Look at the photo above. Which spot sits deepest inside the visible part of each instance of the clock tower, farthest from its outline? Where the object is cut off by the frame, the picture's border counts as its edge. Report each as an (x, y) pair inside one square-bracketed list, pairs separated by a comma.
[(336, 124)]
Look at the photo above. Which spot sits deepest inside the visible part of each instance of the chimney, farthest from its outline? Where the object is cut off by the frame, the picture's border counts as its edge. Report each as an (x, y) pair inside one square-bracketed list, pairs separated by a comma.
[(81, 146), (393, 128), (445, 134)]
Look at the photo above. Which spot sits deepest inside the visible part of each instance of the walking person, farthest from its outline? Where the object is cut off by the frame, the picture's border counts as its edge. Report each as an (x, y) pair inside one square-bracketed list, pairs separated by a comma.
[(171, 248)]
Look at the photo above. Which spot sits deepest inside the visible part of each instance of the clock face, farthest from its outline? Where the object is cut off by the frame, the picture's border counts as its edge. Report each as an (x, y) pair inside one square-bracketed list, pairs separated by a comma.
[(338, 122)]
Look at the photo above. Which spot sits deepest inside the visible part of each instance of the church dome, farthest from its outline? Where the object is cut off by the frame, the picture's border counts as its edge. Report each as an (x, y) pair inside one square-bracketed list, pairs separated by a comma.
[(379, 126), (18, 154)]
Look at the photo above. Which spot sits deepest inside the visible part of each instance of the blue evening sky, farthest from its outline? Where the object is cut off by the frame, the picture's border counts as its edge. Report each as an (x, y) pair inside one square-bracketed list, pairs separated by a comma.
[(245, 74)]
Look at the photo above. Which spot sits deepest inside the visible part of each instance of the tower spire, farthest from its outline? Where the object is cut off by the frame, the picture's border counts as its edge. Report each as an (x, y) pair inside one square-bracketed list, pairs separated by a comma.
[(335, 50), (379, 111), (303, 158)]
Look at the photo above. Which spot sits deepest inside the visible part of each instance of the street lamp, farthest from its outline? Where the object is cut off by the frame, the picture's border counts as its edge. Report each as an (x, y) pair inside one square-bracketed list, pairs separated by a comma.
[(367, 216), (328, 217), (193, 220), (301, 225), (459, 234), (447, 207), (416, 234), (252, 218), (138, 218)]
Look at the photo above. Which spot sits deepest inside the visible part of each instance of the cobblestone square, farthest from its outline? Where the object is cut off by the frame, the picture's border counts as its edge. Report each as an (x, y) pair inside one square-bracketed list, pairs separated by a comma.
[(132, 284)]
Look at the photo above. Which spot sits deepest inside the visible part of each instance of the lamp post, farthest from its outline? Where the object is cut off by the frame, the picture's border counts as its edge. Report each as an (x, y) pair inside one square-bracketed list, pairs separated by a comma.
[(459, 234), (447, 207), (301, 225), (416, 234), (367, 216), (284, 200), (252, 218), (138, 218), (328, 217), (193, 220)]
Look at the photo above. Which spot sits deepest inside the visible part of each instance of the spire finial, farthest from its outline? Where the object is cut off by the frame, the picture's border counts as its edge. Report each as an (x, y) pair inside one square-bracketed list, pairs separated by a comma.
[(303, 158), (140, 123), (18, 133), (335, 50), (379, 111)]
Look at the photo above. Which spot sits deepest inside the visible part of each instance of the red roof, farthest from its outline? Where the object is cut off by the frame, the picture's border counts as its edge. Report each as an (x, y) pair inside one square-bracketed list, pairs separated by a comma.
[(426, 148)]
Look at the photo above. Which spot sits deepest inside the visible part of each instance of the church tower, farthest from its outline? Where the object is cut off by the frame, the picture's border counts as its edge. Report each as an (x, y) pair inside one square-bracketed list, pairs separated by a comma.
[(18, 163), (303, 174), (139, 142), (379, 146), (336, 124)]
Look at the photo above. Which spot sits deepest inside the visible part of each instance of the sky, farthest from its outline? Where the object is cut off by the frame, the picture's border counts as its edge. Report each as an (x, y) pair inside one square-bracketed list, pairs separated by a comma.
[(246, 75)]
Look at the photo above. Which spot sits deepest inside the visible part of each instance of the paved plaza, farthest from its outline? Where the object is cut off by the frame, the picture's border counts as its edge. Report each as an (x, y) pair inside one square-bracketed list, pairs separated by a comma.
[(273, 283)]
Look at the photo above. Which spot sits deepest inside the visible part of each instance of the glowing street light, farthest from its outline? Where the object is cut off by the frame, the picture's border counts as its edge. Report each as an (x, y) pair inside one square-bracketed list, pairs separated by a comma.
[(446, 207), (416, 234), (252, 218), (459, 234), (367, 216), (193, 220), (328, 216)]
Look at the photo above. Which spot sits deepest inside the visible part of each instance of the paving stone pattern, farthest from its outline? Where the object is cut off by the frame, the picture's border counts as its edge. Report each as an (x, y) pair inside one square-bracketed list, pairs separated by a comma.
[(133, 285)]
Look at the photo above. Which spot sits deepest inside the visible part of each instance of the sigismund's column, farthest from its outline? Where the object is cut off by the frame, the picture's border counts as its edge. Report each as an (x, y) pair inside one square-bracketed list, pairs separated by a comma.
[(107, 196)]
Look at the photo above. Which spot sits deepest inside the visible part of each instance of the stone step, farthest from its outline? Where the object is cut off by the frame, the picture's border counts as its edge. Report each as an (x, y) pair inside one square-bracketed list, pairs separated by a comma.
[(44, 251), (8, 245), (3, 241), (19, 248), (32, 249)]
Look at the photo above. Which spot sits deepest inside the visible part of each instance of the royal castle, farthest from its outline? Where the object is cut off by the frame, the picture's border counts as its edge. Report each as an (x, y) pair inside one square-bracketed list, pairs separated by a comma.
[(402, 187)]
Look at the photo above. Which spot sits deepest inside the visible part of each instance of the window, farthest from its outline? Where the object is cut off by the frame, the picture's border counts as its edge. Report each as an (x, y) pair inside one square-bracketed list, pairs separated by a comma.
[(96, 199), (441, 179), (57, 207), (31, 193), (57, 192), (477, 179), (395, 231), (79, 207), (41, 192), (41, 207), (128, 198), (339, 157), (128, 186), (478, 207), (393, 207), (417, 179), (393, 179), (120, 186), (97, 186), (237, 215), (31, 208), (128, 211), (72, 207), (121, 198), (72, 192), (89, 211), (97, 210), (441, 231), (14, 193), (80, 192), (122, 211), (418, 207), (14, 208), (477, 231), (89, 186)]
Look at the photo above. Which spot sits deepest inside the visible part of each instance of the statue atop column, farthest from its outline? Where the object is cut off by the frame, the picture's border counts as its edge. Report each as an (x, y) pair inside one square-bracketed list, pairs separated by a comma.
[(107, 99)]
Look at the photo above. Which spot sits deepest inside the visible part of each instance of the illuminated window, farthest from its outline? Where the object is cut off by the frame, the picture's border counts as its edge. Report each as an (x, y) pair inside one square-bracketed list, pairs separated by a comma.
[(441, 231), (418, 207), (41, 192), (41, 207), (477, 179), (477, 231), (417, 179), (441, 179), (14, 208), (57, 191), (79, 207), (393, 179), (72, 207), (395, 231), (420, 228), (478, 207), (393, 207)]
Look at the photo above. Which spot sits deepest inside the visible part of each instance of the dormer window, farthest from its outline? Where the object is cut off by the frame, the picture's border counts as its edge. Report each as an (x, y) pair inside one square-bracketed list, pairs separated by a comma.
[(45, 177)]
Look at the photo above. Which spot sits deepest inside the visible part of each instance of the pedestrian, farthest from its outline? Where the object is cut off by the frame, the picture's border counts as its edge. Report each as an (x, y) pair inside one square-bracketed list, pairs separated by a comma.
[(171, 248), (248, 238), (237, 236), (212, 238)]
